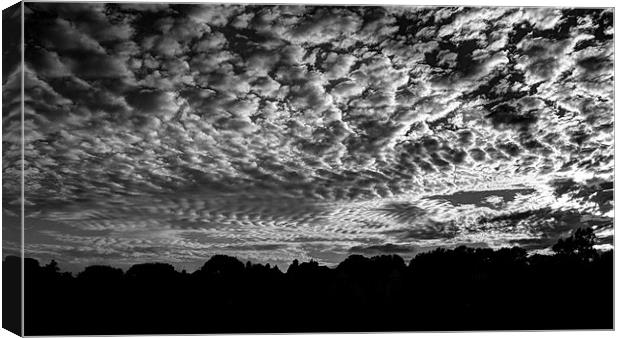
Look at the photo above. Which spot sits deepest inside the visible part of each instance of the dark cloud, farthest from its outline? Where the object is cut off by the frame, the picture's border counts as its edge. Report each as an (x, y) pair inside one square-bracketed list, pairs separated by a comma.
[(480, 198), (257, 247), (383, 249), (547, 224), (429, 231), (506, 116), (11, 43), (403, 212), (595, 190)]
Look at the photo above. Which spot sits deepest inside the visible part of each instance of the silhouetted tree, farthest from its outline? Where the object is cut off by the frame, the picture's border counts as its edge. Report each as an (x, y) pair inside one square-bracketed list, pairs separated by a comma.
[(52, 267), (579, 244), (293, 267), (222, 265)]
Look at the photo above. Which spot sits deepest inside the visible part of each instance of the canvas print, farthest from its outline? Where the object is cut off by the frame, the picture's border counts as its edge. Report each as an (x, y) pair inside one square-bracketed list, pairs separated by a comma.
[(224, 168)]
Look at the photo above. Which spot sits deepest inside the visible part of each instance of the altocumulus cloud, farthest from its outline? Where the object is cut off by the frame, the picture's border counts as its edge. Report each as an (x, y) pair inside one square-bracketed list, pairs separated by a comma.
[(172, 133)]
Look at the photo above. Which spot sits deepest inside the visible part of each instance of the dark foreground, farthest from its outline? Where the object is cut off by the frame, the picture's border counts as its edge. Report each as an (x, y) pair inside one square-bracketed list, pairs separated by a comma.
[(460, 289)]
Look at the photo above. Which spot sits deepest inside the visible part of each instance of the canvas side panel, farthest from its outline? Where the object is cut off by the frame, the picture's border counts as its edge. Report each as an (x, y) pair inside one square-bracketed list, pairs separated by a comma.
[(12, 168)]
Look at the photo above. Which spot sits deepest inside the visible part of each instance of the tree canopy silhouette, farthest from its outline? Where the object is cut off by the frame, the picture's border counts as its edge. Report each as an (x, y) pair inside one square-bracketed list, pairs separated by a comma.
[(579, 244), (444, 289)]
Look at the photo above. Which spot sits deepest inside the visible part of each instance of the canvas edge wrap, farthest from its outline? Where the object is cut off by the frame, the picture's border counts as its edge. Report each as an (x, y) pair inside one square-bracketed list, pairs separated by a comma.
[(13, 136)]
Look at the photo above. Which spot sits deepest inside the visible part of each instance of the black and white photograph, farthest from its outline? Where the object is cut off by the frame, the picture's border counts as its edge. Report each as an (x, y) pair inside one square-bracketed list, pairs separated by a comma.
[(221, 168)]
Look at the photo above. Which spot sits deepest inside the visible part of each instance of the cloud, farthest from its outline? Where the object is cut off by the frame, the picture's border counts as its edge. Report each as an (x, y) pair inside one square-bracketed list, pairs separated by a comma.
[(480, 198), (542, 18), (257, 247), (382, 249), (325, 25), (542, 58), (594, 190), (547, 226), (206, 128)]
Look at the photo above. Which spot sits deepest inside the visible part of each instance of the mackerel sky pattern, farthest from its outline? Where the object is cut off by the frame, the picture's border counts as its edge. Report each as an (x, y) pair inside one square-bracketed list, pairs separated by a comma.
[(271, 133)]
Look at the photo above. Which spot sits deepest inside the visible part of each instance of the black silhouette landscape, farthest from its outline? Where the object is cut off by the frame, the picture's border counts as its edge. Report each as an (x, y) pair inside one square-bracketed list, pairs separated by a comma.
[(459, 289), (381, 168)]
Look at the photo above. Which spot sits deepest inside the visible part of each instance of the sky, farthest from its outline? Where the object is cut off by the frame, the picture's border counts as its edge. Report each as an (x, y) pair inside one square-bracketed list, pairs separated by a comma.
[(172, 133)]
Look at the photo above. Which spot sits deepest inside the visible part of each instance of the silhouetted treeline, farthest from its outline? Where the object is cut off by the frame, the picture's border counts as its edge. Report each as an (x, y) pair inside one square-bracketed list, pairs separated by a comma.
[(459, 289)]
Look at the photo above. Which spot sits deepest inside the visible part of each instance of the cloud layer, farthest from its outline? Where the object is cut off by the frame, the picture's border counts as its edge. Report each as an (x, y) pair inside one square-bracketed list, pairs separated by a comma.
[(158, 132)]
